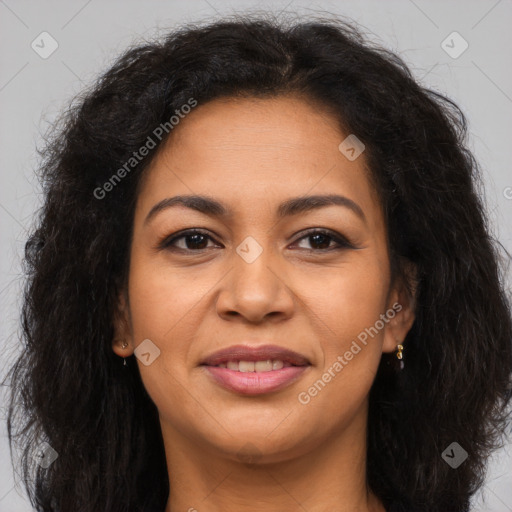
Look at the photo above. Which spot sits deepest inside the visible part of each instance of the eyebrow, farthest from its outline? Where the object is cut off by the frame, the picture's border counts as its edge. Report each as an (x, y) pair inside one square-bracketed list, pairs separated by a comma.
[(293, 206)]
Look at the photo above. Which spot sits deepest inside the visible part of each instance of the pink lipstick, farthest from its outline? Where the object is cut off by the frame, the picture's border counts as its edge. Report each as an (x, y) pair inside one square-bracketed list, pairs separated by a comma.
[(255, 370)]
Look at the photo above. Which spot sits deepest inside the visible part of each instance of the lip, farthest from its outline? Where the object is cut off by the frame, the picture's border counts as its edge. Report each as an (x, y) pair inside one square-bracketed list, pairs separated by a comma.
[(255, 383)]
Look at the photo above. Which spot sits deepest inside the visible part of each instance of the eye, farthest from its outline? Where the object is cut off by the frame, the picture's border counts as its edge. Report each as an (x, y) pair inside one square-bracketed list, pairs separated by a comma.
[(321, 240), (195, 240), (191, 240)]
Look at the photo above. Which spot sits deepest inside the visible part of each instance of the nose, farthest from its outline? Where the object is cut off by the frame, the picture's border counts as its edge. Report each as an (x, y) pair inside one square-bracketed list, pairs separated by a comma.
[(255, 291)]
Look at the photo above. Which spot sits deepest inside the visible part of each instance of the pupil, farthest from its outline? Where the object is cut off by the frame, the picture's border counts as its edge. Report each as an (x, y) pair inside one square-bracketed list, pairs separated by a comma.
[(196, 240), (325, 238)]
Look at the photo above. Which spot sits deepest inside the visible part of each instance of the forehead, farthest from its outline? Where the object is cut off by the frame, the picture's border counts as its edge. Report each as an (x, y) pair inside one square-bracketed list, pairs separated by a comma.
[(246, 150), (265, 128)]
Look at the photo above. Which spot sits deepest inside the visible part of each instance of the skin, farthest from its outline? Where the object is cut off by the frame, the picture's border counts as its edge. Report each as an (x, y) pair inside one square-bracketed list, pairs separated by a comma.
[(251, 155)]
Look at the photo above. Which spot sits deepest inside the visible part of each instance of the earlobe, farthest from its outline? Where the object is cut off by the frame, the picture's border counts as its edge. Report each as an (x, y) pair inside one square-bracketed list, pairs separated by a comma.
[(121, 347), (121, 343), (403, 303)]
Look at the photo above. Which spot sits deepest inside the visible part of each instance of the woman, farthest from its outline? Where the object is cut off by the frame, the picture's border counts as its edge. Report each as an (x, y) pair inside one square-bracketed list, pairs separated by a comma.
[(262, 279)]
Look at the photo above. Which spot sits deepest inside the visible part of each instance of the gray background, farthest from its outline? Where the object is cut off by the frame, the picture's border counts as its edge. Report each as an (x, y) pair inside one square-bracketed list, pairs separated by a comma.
[(91, 33)]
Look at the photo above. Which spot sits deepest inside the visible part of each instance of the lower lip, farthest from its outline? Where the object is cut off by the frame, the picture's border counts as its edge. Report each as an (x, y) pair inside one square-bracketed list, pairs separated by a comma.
[(255, 383)]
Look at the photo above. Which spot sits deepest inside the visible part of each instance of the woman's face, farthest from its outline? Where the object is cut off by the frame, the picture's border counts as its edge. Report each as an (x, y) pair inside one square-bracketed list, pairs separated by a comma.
[(256, 275)]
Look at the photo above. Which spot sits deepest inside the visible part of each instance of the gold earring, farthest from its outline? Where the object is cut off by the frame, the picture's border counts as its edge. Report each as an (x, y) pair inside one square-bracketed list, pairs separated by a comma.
[(400, 355)]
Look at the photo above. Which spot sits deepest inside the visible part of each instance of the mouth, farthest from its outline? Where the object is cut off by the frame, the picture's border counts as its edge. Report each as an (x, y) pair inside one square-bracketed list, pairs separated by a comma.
[(255, 370)]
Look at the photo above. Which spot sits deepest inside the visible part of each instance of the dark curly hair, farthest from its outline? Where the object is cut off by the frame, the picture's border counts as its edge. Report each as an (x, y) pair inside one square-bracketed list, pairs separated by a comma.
[(69, 387)]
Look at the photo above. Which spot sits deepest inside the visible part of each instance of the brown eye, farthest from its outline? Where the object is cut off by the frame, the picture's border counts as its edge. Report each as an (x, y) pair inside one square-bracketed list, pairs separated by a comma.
[(319, 241), (192, 240), (322, 241), (197, 241)]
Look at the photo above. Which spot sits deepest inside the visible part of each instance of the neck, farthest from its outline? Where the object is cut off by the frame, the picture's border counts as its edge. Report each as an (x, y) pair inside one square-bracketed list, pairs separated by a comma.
[(329, 476)]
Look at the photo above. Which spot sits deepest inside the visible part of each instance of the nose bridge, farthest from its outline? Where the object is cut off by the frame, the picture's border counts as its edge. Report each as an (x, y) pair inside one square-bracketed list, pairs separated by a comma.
[(255, 288), (252, 264)]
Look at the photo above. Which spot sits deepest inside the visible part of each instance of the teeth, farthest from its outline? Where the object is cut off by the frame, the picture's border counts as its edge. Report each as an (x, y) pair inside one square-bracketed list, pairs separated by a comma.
[(263, 366), (277, 365), (254, 366), (246, 366)]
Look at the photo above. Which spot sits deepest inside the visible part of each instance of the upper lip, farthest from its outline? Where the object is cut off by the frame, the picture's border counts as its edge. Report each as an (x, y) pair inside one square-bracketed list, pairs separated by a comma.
[(255, 353)]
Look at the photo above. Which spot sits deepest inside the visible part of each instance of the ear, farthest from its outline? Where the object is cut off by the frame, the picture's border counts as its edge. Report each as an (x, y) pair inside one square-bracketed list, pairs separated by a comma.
[(122, 328), (401, 309)]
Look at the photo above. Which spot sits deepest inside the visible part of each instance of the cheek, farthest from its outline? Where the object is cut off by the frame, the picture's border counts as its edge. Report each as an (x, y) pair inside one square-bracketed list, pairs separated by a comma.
[(347, 315), (348, 300), (161, 300), (163, 306)]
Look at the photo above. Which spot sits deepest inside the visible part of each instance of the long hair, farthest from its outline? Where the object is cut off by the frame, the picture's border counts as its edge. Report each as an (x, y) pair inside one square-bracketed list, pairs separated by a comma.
[(71, 391)]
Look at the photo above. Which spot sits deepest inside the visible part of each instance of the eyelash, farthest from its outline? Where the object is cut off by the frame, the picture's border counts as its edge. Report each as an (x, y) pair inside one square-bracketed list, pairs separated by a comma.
[(343, 243)]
